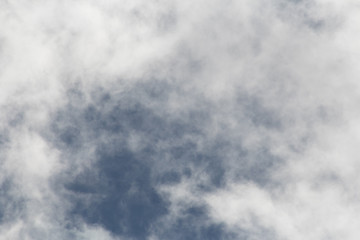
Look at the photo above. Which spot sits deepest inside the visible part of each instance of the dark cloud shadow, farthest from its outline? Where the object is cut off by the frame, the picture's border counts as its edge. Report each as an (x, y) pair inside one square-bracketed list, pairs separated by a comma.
[(194, 223), (125, 202), (119, 191)]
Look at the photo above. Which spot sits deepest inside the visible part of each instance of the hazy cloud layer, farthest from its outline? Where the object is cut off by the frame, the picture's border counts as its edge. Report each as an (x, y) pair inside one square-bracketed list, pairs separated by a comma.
[(179, 119)]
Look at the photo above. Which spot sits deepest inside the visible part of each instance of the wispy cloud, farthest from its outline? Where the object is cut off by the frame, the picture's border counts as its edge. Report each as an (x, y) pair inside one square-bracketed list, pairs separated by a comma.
[(179, 120)]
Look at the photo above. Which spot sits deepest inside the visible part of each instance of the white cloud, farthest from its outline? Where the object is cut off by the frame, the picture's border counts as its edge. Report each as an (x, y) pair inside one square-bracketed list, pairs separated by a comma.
[(298, 59)]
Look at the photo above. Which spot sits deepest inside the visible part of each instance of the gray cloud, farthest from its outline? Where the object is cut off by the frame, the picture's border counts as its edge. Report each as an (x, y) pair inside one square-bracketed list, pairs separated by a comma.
[(178, 120)]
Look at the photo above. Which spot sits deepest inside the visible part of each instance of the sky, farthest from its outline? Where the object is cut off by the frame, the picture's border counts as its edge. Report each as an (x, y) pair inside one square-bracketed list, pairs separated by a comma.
[(170, 119)]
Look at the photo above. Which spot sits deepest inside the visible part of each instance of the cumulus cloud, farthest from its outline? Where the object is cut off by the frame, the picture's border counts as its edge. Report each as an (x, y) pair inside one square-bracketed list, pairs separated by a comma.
[(179, 120)]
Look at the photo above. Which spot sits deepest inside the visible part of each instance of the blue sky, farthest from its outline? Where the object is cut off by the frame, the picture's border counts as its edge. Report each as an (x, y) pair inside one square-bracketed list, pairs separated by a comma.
[(152, 120)]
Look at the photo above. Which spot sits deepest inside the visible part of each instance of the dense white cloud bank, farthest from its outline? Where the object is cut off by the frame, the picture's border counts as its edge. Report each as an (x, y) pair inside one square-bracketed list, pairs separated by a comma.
[(247, 110)]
